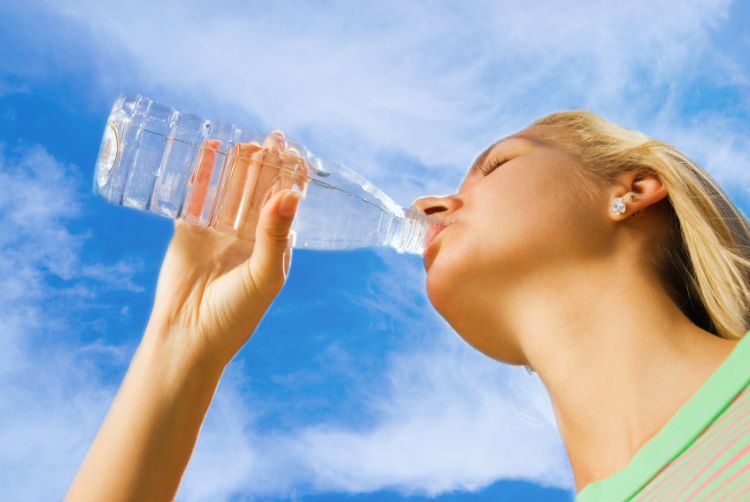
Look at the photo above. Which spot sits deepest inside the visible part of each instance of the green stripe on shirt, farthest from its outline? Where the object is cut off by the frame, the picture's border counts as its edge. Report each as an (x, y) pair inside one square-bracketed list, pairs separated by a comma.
[(701, 453)]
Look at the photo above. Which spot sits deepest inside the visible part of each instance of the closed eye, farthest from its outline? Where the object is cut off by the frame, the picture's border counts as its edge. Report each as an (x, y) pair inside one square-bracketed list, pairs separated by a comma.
[(491, 166)]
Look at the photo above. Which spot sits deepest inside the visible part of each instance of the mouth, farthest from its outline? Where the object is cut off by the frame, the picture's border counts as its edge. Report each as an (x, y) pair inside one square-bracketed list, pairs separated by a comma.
[(432, 235)]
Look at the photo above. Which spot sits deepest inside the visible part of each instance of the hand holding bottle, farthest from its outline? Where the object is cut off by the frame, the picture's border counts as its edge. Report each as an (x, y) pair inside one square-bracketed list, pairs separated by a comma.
[(214, 288), (179, 165), (228, 259)]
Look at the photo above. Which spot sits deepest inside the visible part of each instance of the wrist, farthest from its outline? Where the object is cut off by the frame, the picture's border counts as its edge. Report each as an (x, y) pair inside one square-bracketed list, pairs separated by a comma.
[(173, 352)]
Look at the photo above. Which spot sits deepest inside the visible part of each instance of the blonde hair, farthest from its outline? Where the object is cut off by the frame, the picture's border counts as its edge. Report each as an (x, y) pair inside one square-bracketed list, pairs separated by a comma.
[(704, 260)]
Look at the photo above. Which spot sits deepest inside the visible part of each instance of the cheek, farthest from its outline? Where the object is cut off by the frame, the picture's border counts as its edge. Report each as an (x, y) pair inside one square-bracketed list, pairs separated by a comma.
[(509, 236), (451, 276), (532, 221)]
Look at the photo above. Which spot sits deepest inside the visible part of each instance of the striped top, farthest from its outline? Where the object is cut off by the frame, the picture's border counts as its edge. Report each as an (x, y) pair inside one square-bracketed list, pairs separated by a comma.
[(701, 453)]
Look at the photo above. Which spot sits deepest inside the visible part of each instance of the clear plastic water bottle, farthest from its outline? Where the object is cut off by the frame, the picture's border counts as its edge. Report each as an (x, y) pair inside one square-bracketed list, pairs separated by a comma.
[(175, 164)]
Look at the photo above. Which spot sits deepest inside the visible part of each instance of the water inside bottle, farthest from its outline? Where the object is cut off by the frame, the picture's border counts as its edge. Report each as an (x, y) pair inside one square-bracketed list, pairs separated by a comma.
[(179, 165)]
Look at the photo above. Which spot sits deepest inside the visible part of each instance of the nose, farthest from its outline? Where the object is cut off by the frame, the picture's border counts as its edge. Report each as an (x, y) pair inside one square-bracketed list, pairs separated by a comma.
[(436, 204)]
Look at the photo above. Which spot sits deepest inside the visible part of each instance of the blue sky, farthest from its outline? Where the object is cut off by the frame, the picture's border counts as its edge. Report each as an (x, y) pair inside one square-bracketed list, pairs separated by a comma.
[(352, 388)]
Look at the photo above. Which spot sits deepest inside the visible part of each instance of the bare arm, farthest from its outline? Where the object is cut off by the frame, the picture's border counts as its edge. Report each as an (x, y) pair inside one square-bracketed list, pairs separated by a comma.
[(145, 443), (212, 292)]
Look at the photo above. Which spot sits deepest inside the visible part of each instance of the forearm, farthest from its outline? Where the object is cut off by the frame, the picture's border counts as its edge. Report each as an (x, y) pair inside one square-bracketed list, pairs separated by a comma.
[(145, 442), (217, 287)]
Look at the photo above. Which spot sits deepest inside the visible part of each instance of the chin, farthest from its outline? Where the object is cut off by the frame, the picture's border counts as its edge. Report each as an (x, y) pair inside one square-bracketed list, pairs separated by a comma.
[(456, 293), (447, 283)]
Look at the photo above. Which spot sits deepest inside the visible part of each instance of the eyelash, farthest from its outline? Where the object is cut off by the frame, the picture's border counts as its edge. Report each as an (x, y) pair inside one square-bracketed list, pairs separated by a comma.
[(487, 169)]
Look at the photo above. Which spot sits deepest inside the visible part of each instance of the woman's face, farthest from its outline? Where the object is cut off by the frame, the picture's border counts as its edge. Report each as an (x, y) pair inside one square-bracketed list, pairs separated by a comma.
[(519, 217)]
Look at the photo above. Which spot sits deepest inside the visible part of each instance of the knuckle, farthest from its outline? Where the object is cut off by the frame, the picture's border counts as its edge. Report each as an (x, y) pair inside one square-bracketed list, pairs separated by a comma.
[(279, 237)]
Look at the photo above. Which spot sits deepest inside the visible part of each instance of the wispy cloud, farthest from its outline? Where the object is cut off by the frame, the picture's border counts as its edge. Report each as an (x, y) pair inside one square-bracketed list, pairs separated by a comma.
[(446, 419), (438, 83), (438, 417), (407, 94), (52, 397), (443, 418), (444, 423), (7, 89)]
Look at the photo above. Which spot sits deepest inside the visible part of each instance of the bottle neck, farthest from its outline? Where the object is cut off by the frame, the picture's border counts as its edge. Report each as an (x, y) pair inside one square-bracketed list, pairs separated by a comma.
[(408, 234)]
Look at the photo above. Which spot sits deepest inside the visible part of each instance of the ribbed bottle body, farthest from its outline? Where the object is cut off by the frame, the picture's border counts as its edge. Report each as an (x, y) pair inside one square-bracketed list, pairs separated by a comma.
[(179, 165)]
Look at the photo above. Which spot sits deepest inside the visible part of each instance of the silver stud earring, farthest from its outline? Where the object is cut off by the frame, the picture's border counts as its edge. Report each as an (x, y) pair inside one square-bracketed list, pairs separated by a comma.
[(618, 205)]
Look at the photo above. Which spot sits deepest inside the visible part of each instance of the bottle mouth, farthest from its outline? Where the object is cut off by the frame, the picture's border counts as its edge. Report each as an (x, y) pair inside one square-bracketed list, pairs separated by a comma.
[(415, 214), (415, 231)]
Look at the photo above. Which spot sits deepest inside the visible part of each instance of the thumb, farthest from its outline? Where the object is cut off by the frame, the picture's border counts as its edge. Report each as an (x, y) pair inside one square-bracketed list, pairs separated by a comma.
[(272, 238)]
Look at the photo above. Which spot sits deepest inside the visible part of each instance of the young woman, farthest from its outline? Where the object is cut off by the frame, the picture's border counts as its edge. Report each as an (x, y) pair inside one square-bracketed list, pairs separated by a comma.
[(606, 261)]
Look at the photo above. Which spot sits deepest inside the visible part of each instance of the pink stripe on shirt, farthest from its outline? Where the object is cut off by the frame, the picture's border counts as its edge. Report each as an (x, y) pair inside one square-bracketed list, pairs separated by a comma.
[(709, 439)]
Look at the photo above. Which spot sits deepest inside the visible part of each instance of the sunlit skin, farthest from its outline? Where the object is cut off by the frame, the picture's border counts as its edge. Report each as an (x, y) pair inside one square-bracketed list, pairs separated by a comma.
[(213, 290), (532, 270), (202, 177)]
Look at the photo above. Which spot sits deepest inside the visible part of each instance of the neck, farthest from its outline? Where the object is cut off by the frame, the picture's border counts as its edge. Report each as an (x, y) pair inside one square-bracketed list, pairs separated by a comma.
[(617, 357)]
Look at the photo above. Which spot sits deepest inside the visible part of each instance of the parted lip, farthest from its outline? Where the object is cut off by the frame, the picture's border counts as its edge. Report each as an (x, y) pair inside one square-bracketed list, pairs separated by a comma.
[(434, 231)]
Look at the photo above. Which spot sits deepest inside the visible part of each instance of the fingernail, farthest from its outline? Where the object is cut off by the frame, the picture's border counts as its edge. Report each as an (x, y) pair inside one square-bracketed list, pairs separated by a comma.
[(288, 204)]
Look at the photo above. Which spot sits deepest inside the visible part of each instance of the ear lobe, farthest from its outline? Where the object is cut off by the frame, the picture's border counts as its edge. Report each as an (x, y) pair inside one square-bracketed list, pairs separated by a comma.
[(646, 189)]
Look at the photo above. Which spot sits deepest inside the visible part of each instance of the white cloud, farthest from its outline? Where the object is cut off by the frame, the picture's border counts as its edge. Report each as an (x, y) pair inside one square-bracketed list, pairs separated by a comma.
[(116, 276), (441, 417), (447, 419), (445, 423), (9, 89), (51, 394), (439, 83), (371, 85)]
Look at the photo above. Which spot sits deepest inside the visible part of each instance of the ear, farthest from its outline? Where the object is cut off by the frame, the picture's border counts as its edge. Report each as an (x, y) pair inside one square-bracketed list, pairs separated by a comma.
[(639, 189)]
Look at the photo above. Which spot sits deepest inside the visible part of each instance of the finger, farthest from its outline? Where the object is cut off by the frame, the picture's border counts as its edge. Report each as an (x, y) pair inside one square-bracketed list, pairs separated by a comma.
[(279, 139), (250, 288), (239, 188), (266, 265), (293, 172), (201, 177), (263, 178), (254, 193), (275, 142)]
